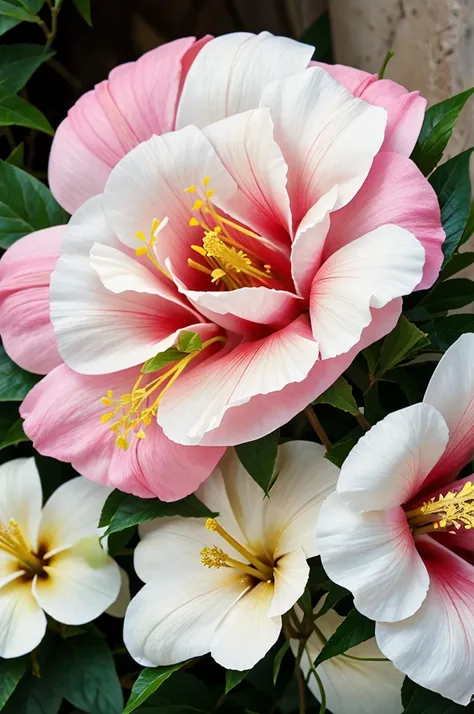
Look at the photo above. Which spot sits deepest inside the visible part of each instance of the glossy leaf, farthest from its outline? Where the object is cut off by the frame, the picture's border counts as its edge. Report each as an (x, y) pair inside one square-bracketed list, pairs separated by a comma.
[(335, 594), (418, 700), (17, 156), (11, 671), (399, 343), (15, 111), (149, 680), (456, 263), (340, 395), (277, 662), (84, 8), (339, 452), (443, 333), (353, 630), (233, 678), (18, 63), (14, 435), (15, 382), (161, 360), (9, 12), (259, 458), (469, 229), (189, 341), (450, 295)]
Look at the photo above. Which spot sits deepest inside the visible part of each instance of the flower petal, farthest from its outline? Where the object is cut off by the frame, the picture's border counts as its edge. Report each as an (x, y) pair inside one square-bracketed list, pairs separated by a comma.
[(327, 137), (22, 621), (74, 591), (247, 632), (25, 325), (230, 73), (173, 619), (369, 272), (373, 555), (395, 192), (291, 574), (435, 647), (388, 466), (451, 392), (119, 606), (21, 496)]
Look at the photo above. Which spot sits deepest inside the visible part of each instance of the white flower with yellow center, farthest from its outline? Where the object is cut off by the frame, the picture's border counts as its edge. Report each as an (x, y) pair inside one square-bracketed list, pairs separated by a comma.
[(222, 585), (51, 562)]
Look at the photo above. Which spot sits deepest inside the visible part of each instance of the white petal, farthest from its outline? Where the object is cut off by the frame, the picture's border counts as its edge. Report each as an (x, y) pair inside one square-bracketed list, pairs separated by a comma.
[(247, 632), (72, 513), (369, 272), (373, 555), (21, 496), (451, 391), (291, 575), (230, 73), (326, 135), (388, 465), (174, 619), (304, 479), (119, 606), (435, 647), (22, 621), (74, 591), (352, 687)]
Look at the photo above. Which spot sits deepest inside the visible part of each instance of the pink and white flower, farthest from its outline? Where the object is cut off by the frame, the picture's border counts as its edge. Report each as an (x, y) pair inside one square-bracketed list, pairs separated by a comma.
[(398, 531), (276, 221)]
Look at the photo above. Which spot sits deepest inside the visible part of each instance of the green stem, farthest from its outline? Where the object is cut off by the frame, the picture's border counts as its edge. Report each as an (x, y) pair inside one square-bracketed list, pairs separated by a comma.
[(322, 691), (362, 421), (366, 659), (387, 59), (318, 427)]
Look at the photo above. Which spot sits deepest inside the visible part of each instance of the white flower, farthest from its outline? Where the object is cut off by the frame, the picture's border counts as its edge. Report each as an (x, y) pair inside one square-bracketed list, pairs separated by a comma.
[(50, 558), (232, 608), (354, 683)]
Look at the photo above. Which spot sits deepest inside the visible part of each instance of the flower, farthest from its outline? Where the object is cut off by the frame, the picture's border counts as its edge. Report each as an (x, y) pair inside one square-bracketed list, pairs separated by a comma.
[(51, 562), (357, 682), (398, 531), (222, 585), (276, 221)]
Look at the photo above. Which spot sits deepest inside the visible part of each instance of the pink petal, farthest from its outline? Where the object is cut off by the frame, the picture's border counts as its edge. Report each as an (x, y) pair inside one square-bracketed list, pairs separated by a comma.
[(25, 326), (327, 137), (62, 418), (138, 100), (395, 192), (369, 272), (435, 647), (405, 109), (231, 72)]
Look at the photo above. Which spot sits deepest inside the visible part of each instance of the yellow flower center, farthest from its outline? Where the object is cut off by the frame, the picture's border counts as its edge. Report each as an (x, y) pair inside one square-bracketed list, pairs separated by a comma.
[(13, 542), (215, 557), (447, 512)]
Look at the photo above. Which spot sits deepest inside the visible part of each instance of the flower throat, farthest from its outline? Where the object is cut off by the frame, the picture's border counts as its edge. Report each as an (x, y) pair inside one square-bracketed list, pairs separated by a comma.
[(449, 512)]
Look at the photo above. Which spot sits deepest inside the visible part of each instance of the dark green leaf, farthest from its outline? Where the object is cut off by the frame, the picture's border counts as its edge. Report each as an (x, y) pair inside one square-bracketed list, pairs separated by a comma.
[(436, 131), (26, 205), (457, 262), (18, 63), (279, 659), (84, 8), (7, 21), (131, 510), (117, 541), (148, 682), (418, 700), (398, 344), (407, 383), (469, 229), (338, 453), (17, 156), (335, 594), (234, 677), (450, 295), (15, 111), (161, 360), (339, 395), (452, 185), (353, 630), (259, 457), (319, 35), (9, 9), (189, 341), (15, 382), (443, 333), (33, 695), (11, 671), (14, 435)]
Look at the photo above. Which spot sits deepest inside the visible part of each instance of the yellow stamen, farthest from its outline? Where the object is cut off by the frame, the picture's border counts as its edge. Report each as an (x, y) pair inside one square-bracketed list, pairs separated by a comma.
[(13, 542), (266, 570), (454, 509), (216, 558), (148, 248)]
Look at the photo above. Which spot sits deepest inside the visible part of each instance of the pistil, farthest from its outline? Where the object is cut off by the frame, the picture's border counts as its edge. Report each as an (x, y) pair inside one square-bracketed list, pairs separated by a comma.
[(452, 510), (265, 570), (216, 558)]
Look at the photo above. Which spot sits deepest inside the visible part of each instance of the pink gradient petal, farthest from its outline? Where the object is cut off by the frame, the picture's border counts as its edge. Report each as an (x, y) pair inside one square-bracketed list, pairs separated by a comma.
[(62, 418), (435, 646), (25, 326), (138, 99), (405, 109), (395, 192)]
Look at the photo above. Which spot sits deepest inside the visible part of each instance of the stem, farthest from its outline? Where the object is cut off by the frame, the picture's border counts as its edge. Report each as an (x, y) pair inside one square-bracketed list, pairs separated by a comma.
[(387, 59), (322, 692), (63, 72), (362, 421), (318, 427), (366, 659), (301, 685)]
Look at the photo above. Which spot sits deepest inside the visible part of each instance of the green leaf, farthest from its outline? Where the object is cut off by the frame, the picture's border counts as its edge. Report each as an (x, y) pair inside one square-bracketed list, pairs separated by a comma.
[(10, 8), (339, 395), (189, 341), (279, 659), (452, 185), (33, 696), (131, 510), (118, 540), (318, 34), (339, 452), (451, 295), (84, 674), (234, 677), (398, 344), (469, 229), (84, 9), (15, 111), (336, 593), (161, 360), (18, 63), (17, 156), (436, 131), (443, 333), (457, 262), (149, 680), (259, 457), (26, 205), (11, 671), (15, 382), (14, 435), (418, 700), (353, 630)]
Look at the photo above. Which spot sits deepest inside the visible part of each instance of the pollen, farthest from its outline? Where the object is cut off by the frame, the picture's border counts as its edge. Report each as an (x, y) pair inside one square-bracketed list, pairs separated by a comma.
[(213, 557), (452, 510), (149, 242)]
